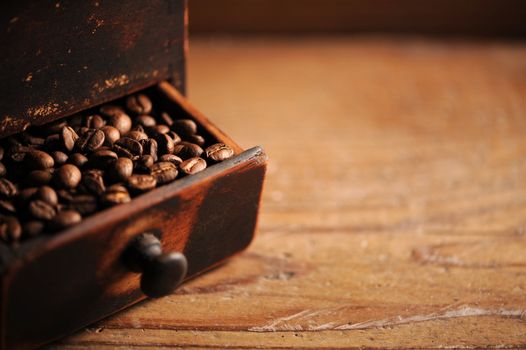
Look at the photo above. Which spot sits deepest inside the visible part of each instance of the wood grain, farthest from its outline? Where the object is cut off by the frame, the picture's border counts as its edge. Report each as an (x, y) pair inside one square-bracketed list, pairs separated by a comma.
[(394, 215)]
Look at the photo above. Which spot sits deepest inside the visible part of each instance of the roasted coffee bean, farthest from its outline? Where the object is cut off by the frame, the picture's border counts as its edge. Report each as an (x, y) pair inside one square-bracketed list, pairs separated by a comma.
[(219, 152), (68, 176), (52, 128), (110, 110), (26, 194), (166, 119), (47, 194), (7, 189), (31, 140), (176, 138), (187, 150), (172, 158), (17, 153), (68, 136), (10, 229), (121, 169), (3, 170), (53, 143), (139, 104), (137, 135), (143, 164), (1, 153), (39, 177), (78, 160), (93, 182), (150, 148), (115, 194), (65, 219), (184, 127), (90, 141), (7, 207), (121, 122), (59, 157), (65, 196), (85, 204), (102, 158), (111, 134), (82, 130), (193, 165), (94, 121), (41, 210), (36, 159), (161, 129), (197, 139), (138, 128), (32, 228), (165, 144), (146, 121), (164, 172), (141, 183), (126, 147)]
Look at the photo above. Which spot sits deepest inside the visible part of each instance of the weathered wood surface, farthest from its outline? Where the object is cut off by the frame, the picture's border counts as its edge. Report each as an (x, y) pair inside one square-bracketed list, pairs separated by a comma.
[(394, 214)]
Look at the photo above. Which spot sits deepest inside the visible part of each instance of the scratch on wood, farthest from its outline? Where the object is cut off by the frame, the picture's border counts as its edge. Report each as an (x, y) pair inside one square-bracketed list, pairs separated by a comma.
[(43, 110), (112, 83), (303, 321)]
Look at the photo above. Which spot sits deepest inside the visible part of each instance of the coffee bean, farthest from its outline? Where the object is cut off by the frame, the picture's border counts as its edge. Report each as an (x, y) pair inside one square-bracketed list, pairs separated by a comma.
[(146, 121), (111, 134), (121, 169), (3, 170), (166, 119), (53, 143), (2, 152), (219, 152), (90, 141), (68, 137), (47, 194), (32, 228), (139, 104), (59, 157), (137, 135), (7, 207), (68, 176), (53, 127), (138, 128), (161, 129), (17, 153), (115, 194), (187, 150), (110, 110), (85, 204), (184, 127), (102, 158), (172, 158), (165, 144), (10, 229), (26, 194), (94, 121), (164, 172), (141, 183), (193, 165), (197, 139), (176, 138), (143, 164), (38, 177), (36, 159), (121, 122), (65, 219), (150, 148), (7, 189), (65, 196), (41, 210), (31, 140), (93, 182), (126, 147), (78, 160)]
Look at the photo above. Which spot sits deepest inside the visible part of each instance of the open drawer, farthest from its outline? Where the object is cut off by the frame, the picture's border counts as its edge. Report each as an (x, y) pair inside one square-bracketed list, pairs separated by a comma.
[(54, 285)]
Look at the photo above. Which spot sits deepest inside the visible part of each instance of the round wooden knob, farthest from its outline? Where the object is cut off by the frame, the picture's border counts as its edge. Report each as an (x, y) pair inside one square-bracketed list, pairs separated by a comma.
[(161, 272)]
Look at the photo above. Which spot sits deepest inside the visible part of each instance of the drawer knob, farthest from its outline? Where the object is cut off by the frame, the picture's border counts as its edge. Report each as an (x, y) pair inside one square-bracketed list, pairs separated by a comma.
[(161, 272)]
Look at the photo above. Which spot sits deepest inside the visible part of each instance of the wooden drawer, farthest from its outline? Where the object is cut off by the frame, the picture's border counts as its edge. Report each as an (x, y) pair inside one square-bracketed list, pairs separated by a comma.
[(54, 285)]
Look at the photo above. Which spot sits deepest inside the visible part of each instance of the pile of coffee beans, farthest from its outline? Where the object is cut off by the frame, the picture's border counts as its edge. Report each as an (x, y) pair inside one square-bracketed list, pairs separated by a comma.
[(54, 175)]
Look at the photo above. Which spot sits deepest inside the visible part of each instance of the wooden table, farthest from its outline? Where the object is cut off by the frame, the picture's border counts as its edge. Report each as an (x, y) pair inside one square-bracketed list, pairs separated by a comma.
[(394, 214)]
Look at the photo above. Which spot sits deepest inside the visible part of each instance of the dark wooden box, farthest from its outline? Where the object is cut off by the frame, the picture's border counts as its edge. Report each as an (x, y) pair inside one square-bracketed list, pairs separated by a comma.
[(63, 57)]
